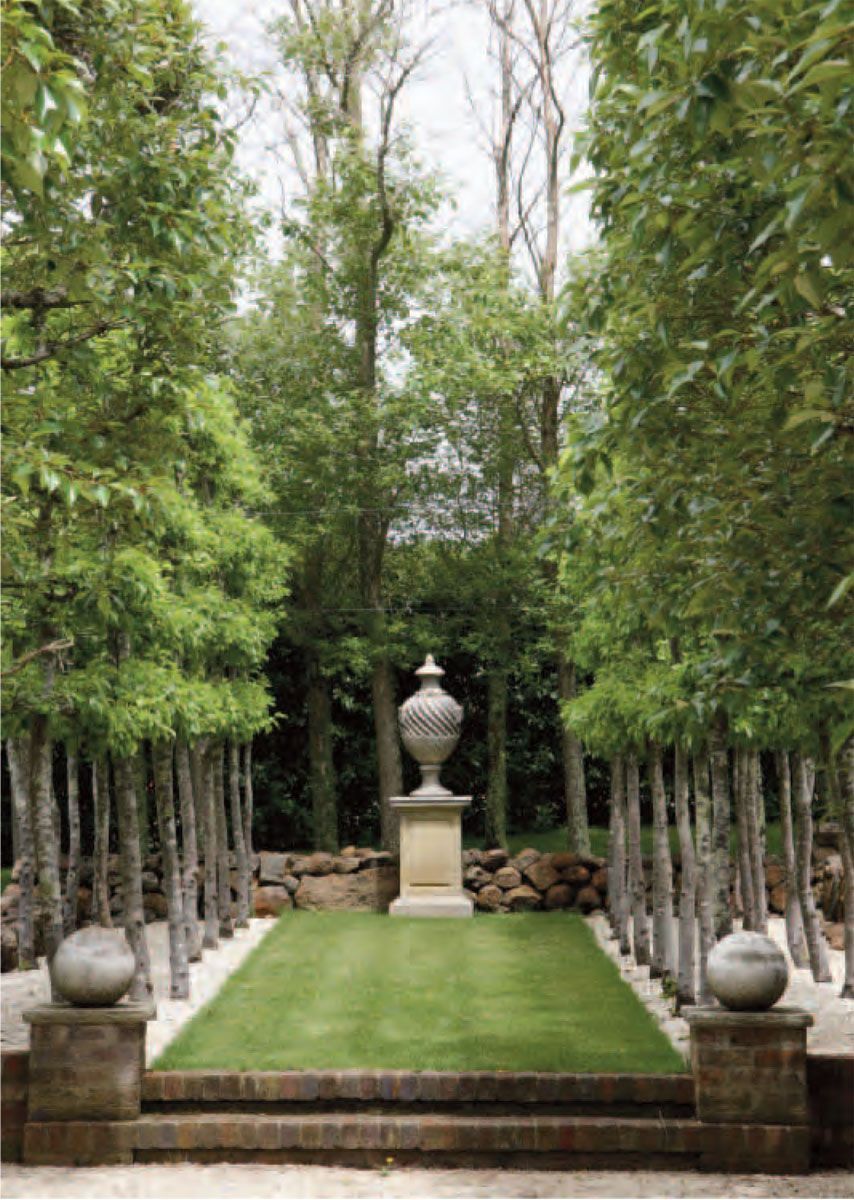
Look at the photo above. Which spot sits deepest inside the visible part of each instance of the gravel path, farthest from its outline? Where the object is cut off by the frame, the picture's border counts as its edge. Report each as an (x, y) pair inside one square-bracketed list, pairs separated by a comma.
[(21, 990), (186, 1182), (832, 1033)]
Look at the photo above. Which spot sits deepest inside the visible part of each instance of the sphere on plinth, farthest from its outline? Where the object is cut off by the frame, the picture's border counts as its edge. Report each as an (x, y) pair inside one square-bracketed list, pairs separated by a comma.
[(430, 723), (94, 967), (747, 971)]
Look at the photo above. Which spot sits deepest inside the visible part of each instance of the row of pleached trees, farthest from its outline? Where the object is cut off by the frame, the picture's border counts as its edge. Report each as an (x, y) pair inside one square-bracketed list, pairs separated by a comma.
[(707, 555), (139, 593)]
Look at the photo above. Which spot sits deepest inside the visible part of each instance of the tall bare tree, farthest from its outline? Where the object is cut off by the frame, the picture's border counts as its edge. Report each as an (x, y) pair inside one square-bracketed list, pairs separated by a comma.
[(18, 754)]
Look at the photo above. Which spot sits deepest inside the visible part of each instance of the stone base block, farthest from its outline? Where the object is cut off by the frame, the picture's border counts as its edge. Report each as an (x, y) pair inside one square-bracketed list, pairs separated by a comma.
[(432, 906)]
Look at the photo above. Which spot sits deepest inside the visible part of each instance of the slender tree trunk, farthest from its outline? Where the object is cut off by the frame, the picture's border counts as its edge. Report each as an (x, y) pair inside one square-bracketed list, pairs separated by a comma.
[(140, 768), (637, 883), (575, 791), (756, 835), (190, 857), (496, 743), (127, 811), (211, 937), (804, 780), (101, 851), (720, 831), (18, 753), (240, 859), (741, 787), (164, 795), (617, 881), (248, 803), (686, 978), (795, 935), (72, 874), (198, 773), (705, 883), (388, 749), (226, 921), (324, 805), (662, 873), (840, 778), (847, 992), (48, 888)]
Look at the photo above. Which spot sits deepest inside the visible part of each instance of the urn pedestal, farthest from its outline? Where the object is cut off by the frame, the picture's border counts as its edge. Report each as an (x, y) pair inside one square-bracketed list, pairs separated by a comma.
[(431, 880)]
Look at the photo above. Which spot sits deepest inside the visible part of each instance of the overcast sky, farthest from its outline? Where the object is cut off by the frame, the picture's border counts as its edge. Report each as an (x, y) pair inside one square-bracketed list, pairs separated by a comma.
[(435, 105)]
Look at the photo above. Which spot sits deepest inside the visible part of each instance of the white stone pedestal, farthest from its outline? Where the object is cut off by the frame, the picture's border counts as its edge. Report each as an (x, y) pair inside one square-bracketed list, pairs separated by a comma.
[(431, 873)]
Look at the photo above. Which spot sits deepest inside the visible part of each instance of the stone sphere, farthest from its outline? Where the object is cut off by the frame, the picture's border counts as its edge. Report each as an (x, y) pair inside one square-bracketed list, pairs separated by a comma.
[(93, 967), (747, 971)]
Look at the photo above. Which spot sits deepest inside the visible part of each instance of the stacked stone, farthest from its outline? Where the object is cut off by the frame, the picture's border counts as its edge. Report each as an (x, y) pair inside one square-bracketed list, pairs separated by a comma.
[(531, 880)]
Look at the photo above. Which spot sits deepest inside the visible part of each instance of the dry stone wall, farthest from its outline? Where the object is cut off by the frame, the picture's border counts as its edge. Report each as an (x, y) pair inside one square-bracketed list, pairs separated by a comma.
[(361, 878)]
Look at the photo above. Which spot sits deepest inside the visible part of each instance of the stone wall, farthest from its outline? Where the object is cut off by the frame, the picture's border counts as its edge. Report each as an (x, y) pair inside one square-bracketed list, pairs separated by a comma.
[(360, 878)]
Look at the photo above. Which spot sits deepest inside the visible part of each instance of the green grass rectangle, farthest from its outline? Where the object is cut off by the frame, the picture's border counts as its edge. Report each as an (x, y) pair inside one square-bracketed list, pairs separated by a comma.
[(526, 992)]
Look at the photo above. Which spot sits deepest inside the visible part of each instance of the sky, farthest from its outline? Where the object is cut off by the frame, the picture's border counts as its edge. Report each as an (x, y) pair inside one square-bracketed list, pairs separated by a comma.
[(436, 105)]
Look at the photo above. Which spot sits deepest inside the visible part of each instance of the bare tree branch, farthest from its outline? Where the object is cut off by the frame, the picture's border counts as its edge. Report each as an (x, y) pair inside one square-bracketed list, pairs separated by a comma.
[(50, 648), (52, 349)]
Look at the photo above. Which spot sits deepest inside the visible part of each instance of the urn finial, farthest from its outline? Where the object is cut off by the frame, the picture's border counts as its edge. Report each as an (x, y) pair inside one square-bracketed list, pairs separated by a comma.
[(430, 724)]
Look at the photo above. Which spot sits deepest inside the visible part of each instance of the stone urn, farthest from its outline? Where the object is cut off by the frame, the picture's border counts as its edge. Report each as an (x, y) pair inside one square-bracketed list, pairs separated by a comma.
[(93, 967), (430, 723), (747, 971)]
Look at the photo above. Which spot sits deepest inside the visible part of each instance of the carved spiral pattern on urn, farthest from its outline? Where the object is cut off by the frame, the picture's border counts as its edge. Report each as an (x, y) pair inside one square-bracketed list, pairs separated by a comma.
[(430, 723)]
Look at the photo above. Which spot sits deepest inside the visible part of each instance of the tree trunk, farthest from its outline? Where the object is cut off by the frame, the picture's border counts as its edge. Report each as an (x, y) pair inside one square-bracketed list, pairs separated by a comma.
[(756, 834), (198, 774), (575, 792), (48, 890), (846, 789), (179, 969), (140, 767), (804, 780), (127, 810), (496, 743), (211, 937), (100, 910), (705, 872), (72, 875), (226, 921), (388, 749), (795, 936), (618, 895), (637, 883), (741, 787), (686, 978), (240, 859), (324, 805), (720, 831), (662, 873), (248, 803), (18, 753), (190, 856)]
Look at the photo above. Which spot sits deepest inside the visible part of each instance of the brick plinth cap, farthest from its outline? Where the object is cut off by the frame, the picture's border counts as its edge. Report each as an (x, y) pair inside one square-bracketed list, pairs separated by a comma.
[(60, 1013), (774, 1018)]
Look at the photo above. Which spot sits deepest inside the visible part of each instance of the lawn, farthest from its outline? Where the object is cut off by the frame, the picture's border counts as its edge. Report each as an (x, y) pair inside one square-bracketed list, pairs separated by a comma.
[(556, 839), (524, 992)]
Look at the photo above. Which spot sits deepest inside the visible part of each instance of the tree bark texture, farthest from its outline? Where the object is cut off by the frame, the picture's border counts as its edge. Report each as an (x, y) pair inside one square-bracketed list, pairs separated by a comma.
[(198, 774), (18, 754), (686, 976), (637, 882), (100, 910), (140, 766), (663, 955), (72, 874), (127, 811), (496, 743), (720, 831), (756, 834), (618, 893), (388, 749), (211, 935), (223, 891), (324, 803), (795, 936), (240, 859), (190, 853), (741, 788), (248, 803), (48, 889), (804, 782), (575, 790), (705, 871), (846, 788), (164, 798)]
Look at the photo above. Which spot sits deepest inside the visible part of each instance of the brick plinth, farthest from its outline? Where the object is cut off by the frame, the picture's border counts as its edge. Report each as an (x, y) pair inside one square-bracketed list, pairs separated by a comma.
[(14, 1073), (86, 1064), (750, 1069)]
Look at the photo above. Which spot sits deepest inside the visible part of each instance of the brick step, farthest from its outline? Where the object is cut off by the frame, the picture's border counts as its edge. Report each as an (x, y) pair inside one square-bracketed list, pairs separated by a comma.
[(431, 1139), (495, 1092)]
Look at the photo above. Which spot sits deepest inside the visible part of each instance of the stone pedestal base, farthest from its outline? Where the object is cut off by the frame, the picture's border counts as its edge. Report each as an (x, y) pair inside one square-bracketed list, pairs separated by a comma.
[(86, 1064), (431, 906), (431, 881)]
